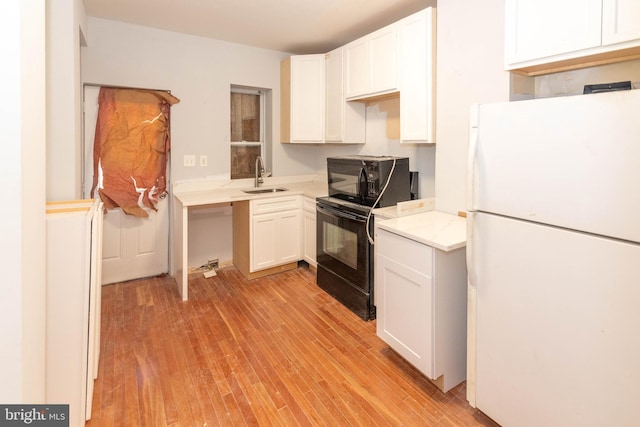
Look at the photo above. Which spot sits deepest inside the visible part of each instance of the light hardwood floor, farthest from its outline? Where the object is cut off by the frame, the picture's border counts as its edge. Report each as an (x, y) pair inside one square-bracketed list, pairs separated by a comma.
[(271, 351)]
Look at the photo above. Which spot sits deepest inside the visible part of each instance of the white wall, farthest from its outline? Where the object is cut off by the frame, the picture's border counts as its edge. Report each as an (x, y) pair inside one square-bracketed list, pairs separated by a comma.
[(469, 70), (22, 165), (65, 30)]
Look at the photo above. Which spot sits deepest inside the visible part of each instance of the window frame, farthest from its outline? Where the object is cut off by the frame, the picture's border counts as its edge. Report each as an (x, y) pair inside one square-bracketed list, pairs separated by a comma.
[(261, 93), (263, 144)]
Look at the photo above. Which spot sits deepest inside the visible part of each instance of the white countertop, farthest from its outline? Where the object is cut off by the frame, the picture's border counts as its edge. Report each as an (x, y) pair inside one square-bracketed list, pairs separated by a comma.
[(440, 230), (214, 192)]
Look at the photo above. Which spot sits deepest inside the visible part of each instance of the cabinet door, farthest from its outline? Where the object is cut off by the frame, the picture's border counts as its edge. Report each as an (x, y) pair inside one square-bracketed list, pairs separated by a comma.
[(307, 98), (417, 47), (405, 298), (371, 64), (620, 21), (540, 28), (309, 249), (405, 312), (357, 68), (383, 63), (335, 101), (344, 121), (289, 238), (264, 238)]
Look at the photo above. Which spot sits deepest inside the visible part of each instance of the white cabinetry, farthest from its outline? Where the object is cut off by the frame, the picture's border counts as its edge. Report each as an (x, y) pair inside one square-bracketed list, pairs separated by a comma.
[(371, 64), (309, 231), (542, 28), (417, 77), (399, 58), (302, 103), (267, 235), (543, 36), (620, 21), (420, 302), (74, 254), (344, 121)]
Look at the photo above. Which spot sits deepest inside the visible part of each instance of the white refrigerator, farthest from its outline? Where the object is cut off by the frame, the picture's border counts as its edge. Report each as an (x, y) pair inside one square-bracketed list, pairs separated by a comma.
[(554, 261)]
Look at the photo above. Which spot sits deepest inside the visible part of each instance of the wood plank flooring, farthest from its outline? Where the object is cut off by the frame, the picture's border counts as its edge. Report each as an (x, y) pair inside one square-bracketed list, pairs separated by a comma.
[(274, 351)]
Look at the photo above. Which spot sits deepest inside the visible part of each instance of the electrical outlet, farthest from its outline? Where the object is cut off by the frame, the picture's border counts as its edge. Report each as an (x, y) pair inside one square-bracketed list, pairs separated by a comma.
[(189, 160), (203, 160)]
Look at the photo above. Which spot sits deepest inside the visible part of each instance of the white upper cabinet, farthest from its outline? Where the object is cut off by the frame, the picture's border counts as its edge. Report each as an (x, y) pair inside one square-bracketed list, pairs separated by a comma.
[(322, 96), (371, 64), (417, 77), (620, 21), (344, 121), (302, 107), (542, 28), (544, 36)]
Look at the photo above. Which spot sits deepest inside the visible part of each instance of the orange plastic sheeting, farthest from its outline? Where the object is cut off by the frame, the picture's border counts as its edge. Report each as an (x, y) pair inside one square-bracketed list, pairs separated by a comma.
[(132, 142)]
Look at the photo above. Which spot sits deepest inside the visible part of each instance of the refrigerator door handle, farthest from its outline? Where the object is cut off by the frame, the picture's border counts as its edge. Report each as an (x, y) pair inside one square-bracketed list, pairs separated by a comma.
[(470, 252), (471, 158), (471, 311)]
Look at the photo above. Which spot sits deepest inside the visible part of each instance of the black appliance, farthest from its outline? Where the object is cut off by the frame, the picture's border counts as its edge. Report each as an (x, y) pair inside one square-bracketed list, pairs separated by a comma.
[(607, 87), (344, 252), (414, 185), (361, 179)]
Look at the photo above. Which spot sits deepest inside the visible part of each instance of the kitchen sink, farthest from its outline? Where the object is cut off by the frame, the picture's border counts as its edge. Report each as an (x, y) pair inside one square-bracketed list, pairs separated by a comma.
[(264, 190)]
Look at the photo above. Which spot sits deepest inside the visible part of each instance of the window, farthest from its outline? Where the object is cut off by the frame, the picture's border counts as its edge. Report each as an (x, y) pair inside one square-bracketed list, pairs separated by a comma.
[(247, 130)]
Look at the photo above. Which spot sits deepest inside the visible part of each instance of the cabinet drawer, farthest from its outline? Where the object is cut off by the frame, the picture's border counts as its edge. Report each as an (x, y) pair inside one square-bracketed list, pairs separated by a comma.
[(309, 204), (416, 255), (275, 204)]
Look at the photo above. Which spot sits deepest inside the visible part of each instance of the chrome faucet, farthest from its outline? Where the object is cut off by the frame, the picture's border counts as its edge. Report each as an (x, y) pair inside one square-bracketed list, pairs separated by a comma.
[(260, 172)]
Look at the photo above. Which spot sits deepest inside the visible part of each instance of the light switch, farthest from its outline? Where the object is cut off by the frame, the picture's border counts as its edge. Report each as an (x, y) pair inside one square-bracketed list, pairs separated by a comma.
[(189, 160), (203, 160)]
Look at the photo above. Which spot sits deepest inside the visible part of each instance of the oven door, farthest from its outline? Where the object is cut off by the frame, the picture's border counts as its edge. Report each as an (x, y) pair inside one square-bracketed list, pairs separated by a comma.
[(342, 245)]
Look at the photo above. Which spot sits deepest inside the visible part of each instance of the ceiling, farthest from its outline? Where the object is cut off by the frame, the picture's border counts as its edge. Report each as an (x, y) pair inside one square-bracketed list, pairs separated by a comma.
[(293, 26)]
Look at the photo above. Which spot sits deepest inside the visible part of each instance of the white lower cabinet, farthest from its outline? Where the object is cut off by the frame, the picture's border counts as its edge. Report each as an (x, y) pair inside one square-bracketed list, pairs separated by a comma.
[(73, 301), (309, 231), (267, 234), (420, 297), (275, 239)]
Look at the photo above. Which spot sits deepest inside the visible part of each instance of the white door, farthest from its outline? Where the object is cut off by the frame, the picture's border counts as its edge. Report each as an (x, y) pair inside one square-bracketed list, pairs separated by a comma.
[(132, 247)]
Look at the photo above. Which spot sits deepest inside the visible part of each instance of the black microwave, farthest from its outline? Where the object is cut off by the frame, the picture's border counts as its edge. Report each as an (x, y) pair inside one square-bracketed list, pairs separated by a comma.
[(362, 179)]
